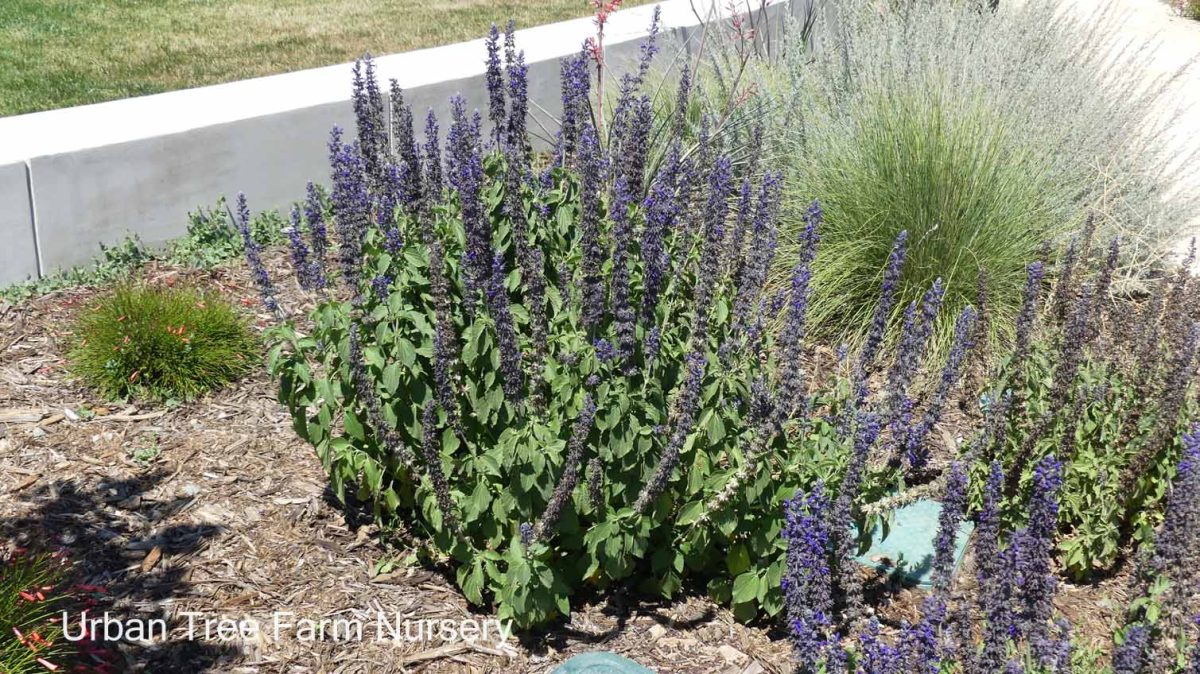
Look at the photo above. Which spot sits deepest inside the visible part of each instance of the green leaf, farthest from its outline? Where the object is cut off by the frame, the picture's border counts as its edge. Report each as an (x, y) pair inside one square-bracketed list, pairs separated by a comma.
[(745, 587)]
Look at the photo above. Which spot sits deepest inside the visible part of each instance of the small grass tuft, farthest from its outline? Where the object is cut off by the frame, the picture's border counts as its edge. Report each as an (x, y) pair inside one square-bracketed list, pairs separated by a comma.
[(161, 343)]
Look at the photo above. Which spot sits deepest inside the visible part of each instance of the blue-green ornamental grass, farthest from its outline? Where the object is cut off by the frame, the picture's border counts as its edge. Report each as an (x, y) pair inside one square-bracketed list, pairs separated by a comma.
[(161, 343)]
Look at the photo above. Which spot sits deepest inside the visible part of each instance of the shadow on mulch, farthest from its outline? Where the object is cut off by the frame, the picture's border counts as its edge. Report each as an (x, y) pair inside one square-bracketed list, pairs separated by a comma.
[(88, 527)]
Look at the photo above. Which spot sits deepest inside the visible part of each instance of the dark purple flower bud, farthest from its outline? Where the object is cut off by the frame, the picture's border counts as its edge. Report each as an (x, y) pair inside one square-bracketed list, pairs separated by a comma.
[(253, 252), (314, 215), (596, 483), (878, 656), (1033, 565), (506, 332), (591, 166), (995, 583), (433, 158), (763, 243), (1064, 289), (518, 92), (592, 381), (526, 533), (622, 233), (467, 178), (445, 347), (1028, 316), (571, 467), (495, 85), (687, 401)]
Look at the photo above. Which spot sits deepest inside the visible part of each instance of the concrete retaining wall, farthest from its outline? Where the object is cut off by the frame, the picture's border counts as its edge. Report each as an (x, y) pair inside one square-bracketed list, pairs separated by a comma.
[(72, 179)]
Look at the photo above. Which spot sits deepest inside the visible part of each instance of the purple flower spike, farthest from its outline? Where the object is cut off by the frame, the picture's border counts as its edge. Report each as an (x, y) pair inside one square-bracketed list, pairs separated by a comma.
[(351, 204), (687, 400), (495, 85), (306, 271), (591, 164), (253, 253), (506, 333), (883, 311)]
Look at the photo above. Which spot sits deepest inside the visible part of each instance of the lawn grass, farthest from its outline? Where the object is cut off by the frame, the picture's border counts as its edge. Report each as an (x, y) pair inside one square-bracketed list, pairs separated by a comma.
[(59, 53)]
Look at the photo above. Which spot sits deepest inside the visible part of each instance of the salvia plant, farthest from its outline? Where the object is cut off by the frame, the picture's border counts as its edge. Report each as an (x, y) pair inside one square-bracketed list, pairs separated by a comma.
[(563, 374)]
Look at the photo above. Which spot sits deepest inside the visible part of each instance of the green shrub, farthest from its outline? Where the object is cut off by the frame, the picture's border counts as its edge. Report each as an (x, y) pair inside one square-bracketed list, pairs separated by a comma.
[(977, 132), (161, 343)]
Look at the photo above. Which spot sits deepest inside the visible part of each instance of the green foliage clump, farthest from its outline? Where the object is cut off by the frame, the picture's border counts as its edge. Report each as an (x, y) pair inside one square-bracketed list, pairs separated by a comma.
[(161, 343)]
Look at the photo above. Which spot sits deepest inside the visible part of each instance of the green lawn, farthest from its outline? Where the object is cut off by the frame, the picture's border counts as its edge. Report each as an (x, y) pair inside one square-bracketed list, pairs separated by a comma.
[(58, 53)]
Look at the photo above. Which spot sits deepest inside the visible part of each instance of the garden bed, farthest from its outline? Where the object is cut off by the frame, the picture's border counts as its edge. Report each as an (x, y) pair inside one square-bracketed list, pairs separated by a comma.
[(238, 509)]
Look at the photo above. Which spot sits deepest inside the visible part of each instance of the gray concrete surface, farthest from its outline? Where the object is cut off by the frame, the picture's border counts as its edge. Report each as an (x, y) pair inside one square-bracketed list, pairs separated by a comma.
[(18, 250)]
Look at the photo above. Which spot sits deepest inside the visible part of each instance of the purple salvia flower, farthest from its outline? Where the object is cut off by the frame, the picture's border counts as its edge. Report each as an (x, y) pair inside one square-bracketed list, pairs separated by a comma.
[(914, 443), (651, 344), (954, 502), (808, 595), (734, 255), (253, 252), (591, 163), (632, 81), (430, 444), (506, 333), (411, 193), (763, 244), (368, 113), (605, 351), (495, 85), (314, 215), (716, 208), (913, 343), (467, 178), (660, 208), (1033, 565), (525, 532), (445, 343), (1065, 287), (876, 655), (351, 205), (518, 92), (1172, 400), (305, 270), (883, 311), (432, 158), (382, 286), (918, 644), (1177, 543), (866, 433), (1028, 316), (576, 86), (791, 339), (995, 582), (622, 232), (1130, 657), (687, 401), (595, 486), (571, 467)]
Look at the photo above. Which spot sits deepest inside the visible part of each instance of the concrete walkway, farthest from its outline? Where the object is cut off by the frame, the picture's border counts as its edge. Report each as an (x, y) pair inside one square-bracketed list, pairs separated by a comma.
[(1177, 43)]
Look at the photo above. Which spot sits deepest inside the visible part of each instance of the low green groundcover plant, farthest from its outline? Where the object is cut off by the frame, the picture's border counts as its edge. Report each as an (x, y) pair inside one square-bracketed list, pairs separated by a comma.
[(160, 342)]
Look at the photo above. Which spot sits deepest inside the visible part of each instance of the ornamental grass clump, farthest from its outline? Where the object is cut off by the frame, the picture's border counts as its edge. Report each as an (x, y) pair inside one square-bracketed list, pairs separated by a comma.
[(980, 132), (34, 592), (160, 342)]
